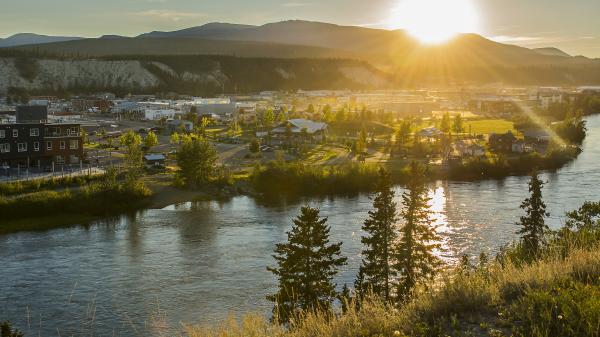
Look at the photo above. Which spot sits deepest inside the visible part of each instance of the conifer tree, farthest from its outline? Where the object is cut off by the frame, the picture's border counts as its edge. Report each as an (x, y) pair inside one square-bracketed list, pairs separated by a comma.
[(445, 123), (378, 253), (416, 262), (533, 226), (306, 265)]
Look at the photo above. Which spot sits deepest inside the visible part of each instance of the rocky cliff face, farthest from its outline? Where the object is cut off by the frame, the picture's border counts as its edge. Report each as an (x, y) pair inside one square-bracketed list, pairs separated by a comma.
[(62, 74), (192, 76)]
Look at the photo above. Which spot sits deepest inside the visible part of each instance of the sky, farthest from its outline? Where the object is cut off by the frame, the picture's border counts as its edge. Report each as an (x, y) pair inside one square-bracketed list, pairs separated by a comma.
[(571, 25)]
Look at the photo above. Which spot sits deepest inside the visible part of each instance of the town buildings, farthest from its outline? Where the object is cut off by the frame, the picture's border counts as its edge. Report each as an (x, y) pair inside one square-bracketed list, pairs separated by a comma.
[(32, 141)]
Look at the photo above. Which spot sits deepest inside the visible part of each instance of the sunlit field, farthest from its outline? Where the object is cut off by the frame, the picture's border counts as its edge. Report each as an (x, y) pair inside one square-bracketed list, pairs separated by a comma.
[(487, 126)]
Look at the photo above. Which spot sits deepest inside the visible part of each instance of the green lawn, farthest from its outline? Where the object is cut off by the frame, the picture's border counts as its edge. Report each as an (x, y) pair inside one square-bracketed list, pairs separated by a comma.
[(486, 126)]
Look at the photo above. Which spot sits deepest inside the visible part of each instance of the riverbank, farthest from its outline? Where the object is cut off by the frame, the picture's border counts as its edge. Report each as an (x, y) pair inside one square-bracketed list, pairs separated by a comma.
[(43, 210)]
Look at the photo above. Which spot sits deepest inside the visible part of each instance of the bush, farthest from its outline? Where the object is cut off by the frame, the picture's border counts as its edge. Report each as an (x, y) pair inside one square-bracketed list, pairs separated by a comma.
[(297, 179), (96, 199), (570, 309)]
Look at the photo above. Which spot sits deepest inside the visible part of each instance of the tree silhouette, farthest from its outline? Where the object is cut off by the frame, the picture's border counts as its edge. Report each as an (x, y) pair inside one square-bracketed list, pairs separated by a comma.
[(533, 226), (376, 269), (306, 265), (416, 262)]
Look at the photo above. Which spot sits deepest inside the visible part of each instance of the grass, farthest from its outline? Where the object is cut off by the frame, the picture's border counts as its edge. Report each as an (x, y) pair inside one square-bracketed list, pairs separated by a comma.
[(552, 297), (464, 114), (487, 126)]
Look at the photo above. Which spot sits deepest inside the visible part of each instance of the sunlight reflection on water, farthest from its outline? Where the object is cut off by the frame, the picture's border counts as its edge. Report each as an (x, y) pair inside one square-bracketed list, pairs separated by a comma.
[(203, 260)]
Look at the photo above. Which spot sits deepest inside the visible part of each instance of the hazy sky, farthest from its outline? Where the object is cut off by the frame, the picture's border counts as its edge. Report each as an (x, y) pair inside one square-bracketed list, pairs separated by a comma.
[(572, 25)]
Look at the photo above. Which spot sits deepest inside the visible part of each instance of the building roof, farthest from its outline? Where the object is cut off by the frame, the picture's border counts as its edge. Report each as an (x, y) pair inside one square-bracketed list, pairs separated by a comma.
[(430, 132), (154, 157), (539, 134), (502, 137), (298, 124)]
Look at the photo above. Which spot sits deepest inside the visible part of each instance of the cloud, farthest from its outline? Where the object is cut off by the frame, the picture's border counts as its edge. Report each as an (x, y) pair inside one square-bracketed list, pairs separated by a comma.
[(172, 15), (507, 38), (538, 39)]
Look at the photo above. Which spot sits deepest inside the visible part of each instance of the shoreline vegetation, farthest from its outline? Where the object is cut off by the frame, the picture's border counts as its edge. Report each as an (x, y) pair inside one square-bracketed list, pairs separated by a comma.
[(200, 179), (82, 200)]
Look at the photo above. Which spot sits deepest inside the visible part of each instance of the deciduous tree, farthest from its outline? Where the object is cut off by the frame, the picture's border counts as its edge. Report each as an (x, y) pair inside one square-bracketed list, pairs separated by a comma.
[(150, 141), (196, 159)]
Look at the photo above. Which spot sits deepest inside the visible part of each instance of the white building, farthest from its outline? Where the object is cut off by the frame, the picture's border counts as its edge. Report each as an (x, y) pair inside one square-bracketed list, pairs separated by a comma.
[(157, 114)]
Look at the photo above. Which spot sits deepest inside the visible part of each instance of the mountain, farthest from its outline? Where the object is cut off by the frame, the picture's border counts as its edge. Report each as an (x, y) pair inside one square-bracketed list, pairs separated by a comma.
[(385, 48), (214, 30), (30, 38), (348, 38), (466, 59), (109, 36), (551, 51), (185, 46)]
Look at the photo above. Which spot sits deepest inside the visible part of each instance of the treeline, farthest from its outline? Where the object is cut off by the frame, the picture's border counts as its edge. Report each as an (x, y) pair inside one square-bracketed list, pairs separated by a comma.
[(279, 178), (501, 166)]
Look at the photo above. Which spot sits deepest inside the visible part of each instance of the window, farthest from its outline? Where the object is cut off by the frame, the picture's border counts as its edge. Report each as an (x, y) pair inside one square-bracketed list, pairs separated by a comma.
[(48, 145), (60, 160), (22, 147), (62, 145), (72, 131), (2, 133), (4, 148), (73, 144), (56, 131), (36, 146), (15, 133), (34, 132)]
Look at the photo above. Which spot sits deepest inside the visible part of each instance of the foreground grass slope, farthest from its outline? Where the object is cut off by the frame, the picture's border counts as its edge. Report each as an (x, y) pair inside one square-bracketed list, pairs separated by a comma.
[(552, 297)]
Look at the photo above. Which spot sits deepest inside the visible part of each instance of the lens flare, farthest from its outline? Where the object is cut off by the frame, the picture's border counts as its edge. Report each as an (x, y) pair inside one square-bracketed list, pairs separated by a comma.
[(435, 21)]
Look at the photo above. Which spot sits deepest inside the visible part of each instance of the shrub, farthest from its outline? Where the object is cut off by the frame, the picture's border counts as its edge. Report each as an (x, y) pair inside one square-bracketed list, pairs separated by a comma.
[(570, 309)]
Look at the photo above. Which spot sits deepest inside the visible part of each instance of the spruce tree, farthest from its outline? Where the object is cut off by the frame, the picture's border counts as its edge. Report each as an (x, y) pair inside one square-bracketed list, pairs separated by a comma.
[(376, 269), (306, 265), (533, 226), (416, 262)]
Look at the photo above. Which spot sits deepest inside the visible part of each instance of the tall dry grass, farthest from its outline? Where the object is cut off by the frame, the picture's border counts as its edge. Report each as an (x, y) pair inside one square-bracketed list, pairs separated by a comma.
[(479, 302)]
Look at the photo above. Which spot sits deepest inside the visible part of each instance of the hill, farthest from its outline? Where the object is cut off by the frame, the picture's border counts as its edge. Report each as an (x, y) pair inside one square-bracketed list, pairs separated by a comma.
[(116, 45), (29, 38), (551, 51), (468, 59)]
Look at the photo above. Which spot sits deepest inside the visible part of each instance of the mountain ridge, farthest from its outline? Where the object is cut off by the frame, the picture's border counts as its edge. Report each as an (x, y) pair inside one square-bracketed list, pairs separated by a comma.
[(378, 46), (20, 39), (466, 59)]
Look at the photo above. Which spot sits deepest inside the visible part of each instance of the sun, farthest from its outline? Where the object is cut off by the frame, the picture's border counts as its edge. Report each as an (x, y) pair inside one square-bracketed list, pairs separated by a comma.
[(435, 21)]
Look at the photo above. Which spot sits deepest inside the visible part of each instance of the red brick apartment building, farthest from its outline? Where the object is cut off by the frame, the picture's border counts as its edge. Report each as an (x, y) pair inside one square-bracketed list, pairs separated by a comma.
[(34, 142)]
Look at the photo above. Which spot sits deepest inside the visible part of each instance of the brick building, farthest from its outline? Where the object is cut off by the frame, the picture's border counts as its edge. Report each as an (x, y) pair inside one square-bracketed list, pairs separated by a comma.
[(33, 142)]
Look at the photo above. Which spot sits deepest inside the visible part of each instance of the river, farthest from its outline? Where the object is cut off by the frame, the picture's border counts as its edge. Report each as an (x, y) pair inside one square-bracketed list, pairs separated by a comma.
[(199, 262)]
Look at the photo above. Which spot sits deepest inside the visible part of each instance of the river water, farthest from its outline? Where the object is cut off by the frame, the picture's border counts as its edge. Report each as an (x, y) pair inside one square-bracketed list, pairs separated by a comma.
[(200, 262)]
